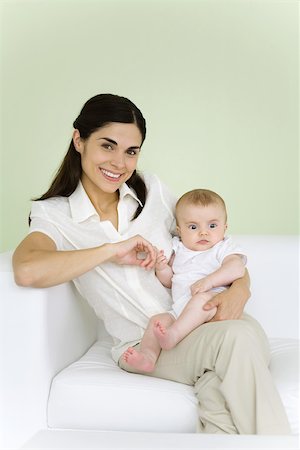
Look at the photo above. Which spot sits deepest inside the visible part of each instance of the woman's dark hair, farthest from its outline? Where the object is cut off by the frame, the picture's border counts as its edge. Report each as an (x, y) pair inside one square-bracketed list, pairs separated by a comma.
[(97, 112)]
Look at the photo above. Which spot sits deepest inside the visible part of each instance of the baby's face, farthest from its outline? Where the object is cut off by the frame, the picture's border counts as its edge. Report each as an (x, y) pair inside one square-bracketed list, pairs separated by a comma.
[(201, 227)]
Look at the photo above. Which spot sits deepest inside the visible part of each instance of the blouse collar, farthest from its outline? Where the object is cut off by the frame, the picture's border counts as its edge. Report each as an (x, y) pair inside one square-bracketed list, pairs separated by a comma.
[(82, 207)]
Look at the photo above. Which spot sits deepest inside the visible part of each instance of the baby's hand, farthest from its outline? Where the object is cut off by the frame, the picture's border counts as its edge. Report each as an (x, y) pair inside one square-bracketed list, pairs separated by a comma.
[(202, 285), (161, 261)]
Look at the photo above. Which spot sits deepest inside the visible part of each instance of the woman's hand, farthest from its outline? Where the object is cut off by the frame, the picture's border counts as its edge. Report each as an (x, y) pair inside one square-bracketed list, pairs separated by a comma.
[(231, 302), (134, 251)]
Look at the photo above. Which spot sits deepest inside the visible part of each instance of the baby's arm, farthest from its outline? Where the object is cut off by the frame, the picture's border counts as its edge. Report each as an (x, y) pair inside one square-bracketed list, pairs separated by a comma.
[(163, 270), (232, 268)]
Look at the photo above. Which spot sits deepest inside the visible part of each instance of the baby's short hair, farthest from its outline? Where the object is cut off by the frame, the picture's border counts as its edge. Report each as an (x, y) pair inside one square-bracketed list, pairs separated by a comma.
[(202, 197)]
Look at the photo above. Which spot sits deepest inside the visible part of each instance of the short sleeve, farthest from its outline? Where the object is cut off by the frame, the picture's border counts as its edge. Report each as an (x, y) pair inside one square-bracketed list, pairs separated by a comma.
[(41, 223), (229, 247)]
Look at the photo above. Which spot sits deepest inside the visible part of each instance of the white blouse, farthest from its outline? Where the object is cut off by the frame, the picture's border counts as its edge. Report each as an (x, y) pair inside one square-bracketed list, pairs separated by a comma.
[(124, 297)]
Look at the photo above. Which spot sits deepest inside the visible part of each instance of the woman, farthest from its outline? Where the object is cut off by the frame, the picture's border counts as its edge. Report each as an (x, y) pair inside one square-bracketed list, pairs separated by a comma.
[(100, 224)]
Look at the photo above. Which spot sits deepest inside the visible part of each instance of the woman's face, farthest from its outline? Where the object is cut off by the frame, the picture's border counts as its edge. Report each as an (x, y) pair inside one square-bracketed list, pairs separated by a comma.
[(109, 156)]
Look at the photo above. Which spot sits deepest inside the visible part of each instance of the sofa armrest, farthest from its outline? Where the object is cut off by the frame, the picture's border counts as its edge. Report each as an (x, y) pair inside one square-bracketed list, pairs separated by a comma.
[(42, 331)]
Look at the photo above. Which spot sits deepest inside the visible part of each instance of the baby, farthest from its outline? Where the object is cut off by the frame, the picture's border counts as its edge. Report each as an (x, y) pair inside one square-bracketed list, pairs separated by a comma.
[(204, 262)]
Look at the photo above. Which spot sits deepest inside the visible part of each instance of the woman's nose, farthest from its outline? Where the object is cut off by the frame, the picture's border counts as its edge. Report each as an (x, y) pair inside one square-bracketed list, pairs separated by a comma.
[(118, 160)]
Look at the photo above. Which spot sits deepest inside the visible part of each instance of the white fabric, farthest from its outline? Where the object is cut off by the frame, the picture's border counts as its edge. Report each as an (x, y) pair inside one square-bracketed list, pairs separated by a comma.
[(190, 266), (123, 440), (113, 291), (284, 368), (112, 399)]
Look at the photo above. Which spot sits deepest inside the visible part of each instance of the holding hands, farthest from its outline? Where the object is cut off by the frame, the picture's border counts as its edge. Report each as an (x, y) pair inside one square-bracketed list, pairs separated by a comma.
[(134, 251), (139, 252)]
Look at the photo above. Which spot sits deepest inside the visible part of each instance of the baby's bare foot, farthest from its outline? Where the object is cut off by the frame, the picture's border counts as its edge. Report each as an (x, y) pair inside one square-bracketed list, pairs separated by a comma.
[(139, 360), (166, 336)]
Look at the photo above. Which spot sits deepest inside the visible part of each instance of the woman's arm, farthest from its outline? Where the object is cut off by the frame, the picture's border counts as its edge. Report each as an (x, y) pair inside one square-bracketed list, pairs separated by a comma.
[(37, 262), (231, 302)]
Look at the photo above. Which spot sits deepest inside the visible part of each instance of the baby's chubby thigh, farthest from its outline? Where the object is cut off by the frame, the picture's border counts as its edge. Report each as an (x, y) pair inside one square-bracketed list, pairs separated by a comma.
[(195, 303)]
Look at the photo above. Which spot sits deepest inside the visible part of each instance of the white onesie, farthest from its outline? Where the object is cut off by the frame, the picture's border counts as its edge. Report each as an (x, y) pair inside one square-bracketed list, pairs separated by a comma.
[(190, 266)]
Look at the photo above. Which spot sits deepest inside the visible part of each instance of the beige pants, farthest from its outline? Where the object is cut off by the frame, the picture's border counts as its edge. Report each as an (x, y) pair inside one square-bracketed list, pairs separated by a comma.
[(227, 363)]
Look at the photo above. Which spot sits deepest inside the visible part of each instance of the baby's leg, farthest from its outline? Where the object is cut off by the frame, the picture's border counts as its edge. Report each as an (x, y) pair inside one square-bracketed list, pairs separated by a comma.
[(145, 359), (191, 317)]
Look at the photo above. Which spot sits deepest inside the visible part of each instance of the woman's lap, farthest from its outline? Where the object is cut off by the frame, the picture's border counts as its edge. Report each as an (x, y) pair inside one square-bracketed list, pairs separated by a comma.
[(227, 363), (196, 353)]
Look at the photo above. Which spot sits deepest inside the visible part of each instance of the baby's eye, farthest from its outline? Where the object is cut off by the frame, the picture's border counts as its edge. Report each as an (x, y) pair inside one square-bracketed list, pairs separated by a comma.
[(192, 227), (213, 225)]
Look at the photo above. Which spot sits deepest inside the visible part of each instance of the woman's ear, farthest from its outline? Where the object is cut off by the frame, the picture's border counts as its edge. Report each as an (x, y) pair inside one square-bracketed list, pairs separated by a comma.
[(77, 141)]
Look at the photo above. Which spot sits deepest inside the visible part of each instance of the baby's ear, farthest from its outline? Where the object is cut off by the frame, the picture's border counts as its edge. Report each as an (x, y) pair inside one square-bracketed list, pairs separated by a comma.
[(178, 230)]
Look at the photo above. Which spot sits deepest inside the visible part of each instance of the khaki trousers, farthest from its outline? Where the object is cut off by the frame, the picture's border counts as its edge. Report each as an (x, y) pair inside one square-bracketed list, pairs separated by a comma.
[(227, 363)]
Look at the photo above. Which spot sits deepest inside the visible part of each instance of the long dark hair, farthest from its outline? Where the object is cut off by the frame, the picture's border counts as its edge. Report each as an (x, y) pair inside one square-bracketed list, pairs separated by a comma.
[(97, 112)]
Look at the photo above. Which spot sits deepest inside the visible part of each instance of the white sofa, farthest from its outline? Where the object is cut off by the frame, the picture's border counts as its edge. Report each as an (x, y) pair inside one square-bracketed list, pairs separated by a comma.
[(61, 389)]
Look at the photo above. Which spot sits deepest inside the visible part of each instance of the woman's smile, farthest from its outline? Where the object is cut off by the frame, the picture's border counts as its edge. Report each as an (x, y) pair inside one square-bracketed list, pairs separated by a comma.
[(110, 176)]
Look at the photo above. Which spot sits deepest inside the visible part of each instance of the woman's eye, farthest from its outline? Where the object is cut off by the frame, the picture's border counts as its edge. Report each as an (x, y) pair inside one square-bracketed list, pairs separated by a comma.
[(132, 152), (107, 146)]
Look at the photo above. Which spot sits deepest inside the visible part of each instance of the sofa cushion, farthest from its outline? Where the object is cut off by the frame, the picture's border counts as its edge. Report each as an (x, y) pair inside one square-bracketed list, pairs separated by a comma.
[(285, 371), (94, 394)]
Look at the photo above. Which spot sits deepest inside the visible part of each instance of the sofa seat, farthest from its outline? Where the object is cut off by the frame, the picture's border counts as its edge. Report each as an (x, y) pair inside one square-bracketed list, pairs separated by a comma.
[(94, 394)]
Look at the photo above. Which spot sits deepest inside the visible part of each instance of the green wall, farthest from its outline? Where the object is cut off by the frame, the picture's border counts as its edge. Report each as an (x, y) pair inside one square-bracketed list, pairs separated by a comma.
[(216, 81)]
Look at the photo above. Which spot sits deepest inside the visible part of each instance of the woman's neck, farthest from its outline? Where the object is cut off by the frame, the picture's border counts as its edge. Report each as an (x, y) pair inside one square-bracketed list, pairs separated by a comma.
[(105, 203)]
